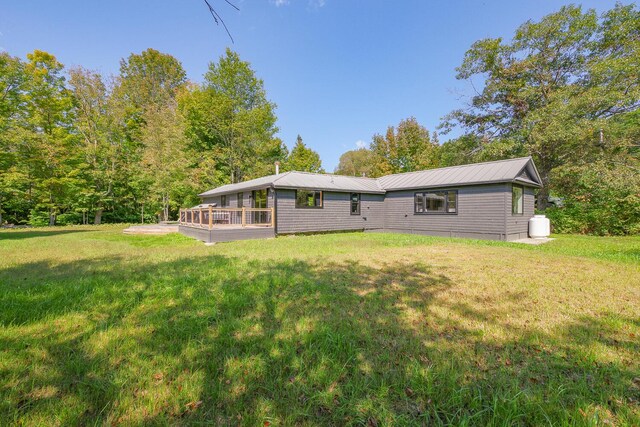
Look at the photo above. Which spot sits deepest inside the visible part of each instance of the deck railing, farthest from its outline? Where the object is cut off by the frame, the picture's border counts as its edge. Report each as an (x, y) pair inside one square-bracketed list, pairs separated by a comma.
[(210, 217)]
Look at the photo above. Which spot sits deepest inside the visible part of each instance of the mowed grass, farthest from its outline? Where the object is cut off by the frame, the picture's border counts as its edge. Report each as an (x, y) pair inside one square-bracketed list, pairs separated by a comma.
[(340, 329)]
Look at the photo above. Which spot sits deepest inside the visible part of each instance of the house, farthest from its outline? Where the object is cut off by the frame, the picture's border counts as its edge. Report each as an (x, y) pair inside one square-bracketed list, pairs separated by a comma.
[(492, 200)]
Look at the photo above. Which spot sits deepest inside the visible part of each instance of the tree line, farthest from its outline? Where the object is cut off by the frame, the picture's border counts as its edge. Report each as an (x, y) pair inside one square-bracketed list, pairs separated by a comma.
[(564, 90), (79, 147)]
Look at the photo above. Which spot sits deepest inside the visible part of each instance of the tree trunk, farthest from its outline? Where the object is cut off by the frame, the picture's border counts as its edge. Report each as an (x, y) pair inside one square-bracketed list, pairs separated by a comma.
[(165, 207), (543, 198), (52, 219), (543, 193), (97, 220)]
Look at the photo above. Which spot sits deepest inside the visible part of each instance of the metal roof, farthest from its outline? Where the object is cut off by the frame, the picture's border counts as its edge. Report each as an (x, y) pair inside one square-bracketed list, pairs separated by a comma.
[(328, 182), (513, 170), (265, 181), (472, 174), (312, 181)]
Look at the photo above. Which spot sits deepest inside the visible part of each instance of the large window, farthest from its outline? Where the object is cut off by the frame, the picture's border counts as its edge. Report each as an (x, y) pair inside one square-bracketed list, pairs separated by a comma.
[(223, 201), (308, 199), (240, 199), (517, 200), (355, 204), (436, 202)]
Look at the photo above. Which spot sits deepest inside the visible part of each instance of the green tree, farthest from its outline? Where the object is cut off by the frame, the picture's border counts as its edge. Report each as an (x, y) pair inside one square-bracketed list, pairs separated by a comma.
[(460, 151), (230, 121), (149, 79), (48, 145), (165, 160), (303, 159), (601, 197), (12, 174), (148, 86), (406, 148), (358, 162), (103, 144), (551, 90), (268, 154)]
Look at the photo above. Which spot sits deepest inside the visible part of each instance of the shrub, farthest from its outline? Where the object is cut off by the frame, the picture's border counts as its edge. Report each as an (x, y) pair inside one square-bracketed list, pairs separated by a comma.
[(69, 218), (38, 218), (601, 198)]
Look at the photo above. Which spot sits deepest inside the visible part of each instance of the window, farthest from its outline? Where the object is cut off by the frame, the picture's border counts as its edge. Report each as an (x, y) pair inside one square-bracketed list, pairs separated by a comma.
[(419, 201), (240, 197), (436, 202), (223, 201), (308, 199), (452, 201), (517, 200), (355, 204)]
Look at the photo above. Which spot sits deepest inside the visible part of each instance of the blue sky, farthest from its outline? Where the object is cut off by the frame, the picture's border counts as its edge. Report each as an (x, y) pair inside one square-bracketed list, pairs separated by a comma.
[(339, 70)]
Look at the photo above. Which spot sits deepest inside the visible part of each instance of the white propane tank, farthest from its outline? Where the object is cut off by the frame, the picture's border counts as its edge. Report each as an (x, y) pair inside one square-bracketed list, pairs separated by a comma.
[(539, 227)]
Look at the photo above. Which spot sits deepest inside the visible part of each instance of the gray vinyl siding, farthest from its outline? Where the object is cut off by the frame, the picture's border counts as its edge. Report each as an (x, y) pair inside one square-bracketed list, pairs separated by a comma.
[(334, 215), (484, 212), (518, 225), (481, 214)]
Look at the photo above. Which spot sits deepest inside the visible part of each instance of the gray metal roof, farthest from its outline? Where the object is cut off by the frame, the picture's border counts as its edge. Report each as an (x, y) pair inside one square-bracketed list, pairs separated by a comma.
[(312, 181), (265, 181), (329, 182), (475, 173), (514, 170)]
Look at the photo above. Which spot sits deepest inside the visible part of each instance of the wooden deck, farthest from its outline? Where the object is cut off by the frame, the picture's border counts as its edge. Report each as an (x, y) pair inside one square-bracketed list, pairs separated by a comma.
[(212, 225), (227, 233)]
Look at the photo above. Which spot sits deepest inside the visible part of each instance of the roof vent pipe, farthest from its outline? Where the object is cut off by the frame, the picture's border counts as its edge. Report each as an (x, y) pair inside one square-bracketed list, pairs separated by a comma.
[(277, 168)]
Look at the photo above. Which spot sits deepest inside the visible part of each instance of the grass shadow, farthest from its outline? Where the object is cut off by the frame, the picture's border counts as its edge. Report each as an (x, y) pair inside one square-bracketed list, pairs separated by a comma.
[(22, 234), (222, 340)]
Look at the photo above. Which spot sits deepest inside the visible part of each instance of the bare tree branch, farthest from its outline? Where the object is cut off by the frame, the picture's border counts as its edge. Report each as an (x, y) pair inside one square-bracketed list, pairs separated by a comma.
[(218, 19)]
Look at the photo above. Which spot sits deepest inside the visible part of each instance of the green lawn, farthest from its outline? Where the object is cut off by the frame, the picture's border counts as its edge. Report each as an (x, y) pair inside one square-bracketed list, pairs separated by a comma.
[(368, 329)]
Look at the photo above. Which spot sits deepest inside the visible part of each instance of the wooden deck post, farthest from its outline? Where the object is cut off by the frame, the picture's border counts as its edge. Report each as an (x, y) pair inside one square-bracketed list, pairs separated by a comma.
[(273, 217), (244, 219), (200, 217), (210, 217)]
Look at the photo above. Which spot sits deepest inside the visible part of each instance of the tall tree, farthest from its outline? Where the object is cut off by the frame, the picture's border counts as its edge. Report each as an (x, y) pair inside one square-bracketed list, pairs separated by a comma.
[(406, 148), (230, 119), (103, 144), (12, 176), (303, 159), (150, 79), (550, 90), (49, 146), (148, 87), (165, 160)]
